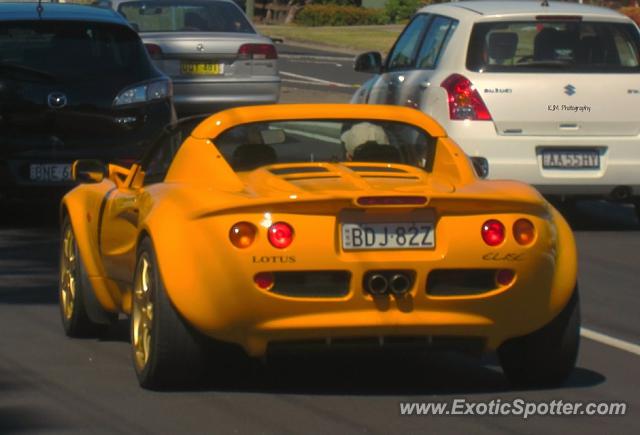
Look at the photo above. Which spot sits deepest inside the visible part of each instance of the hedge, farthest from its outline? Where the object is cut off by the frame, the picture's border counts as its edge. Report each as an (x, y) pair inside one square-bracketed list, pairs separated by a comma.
[(631, 12), (335, 15)]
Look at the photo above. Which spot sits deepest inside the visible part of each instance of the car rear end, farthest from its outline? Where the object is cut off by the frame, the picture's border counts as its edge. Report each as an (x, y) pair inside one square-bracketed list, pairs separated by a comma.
[(73, 89), (547, 98), (210, 50), (320, 247)]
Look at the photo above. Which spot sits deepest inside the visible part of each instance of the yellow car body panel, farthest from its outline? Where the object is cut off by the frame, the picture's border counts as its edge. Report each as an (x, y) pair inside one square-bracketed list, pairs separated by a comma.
[(211, 283)]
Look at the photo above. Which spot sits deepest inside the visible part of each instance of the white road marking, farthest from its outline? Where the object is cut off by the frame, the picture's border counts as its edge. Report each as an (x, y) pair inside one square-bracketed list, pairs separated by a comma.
[(610, 341), (320, 58), (315, 80)]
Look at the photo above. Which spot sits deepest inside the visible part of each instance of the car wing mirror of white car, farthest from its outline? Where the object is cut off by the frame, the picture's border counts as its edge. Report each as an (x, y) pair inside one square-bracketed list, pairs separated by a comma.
[(369, 62)]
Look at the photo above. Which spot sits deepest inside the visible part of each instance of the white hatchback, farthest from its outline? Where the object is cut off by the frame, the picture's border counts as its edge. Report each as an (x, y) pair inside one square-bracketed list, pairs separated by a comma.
[(546, 94)]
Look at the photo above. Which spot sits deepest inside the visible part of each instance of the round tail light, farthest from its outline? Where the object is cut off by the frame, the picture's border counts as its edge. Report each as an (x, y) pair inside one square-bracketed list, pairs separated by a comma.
[(242, 234), (264, 280), (280, 235), (505, 276), (493, 232), (524, 232)]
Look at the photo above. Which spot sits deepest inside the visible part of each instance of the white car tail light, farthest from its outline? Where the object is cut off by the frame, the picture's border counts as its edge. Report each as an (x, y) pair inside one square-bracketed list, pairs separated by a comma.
[(464, 100)]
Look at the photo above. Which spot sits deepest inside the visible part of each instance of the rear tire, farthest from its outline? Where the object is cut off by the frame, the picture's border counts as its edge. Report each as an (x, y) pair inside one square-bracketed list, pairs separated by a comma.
[(167, 353), (75, 320), (546, 357)]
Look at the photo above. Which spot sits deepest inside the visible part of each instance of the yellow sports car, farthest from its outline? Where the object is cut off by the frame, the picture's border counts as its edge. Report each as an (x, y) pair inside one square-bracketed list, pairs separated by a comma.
[(316, 226)]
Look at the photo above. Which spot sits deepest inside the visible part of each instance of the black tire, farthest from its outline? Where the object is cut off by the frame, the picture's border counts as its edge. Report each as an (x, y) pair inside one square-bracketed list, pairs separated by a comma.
[(176, 353), (546, 357), (72, 278)]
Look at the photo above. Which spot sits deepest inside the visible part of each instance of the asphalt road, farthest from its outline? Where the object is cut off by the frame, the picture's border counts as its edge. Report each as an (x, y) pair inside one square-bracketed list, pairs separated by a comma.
[(314, 69), (52, 384)]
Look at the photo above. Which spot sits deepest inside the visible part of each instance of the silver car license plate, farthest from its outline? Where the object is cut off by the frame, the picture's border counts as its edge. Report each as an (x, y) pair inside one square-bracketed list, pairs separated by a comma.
[(570, 159), (404, 235), (50, 172)]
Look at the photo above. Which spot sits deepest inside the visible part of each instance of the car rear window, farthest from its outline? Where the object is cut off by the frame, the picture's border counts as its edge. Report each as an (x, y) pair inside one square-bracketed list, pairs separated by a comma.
[(249, 146), (570, 45), (185, 16), (72, 49)]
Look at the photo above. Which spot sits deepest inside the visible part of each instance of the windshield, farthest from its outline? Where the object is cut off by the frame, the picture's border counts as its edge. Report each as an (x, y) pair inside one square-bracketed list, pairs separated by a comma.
[(554, 46), (69, 49), (247, 147), (185, 16)]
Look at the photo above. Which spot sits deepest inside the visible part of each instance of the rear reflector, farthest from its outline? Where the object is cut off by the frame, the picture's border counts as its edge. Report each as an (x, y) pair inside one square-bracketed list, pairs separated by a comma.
[(257, 51), (154, 50), (264, 280), (505, 276), (392, 200), (464, 100)]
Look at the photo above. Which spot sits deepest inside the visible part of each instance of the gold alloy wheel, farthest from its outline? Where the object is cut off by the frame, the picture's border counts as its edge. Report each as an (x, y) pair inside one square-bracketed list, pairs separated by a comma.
[(142, 313), (68, 267)]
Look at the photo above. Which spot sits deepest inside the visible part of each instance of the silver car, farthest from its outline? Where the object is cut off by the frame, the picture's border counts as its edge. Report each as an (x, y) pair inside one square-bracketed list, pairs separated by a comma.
[(210, 50)]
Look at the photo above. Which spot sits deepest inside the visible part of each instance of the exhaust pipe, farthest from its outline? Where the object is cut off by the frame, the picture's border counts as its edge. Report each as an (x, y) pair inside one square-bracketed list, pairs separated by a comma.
[(399, 284), (621, 192), (377, 284)]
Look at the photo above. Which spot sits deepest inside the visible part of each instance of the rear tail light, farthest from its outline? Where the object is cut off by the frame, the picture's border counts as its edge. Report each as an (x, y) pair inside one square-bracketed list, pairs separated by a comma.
[(505, 276), (493, 232), (264, 280), (464, 100), (524, 232), (280, 235), (144, 93), (154, 50), (257, 51), (242, 234)]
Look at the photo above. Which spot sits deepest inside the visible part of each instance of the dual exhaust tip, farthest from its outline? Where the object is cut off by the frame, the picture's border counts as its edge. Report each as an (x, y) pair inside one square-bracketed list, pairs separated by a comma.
[(380, 283)]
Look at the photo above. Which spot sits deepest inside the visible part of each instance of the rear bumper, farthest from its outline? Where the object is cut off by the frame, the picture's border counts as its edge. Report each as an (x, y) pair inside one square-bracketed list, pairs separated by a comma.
[(212, 286), (192, 96), (520, 158)]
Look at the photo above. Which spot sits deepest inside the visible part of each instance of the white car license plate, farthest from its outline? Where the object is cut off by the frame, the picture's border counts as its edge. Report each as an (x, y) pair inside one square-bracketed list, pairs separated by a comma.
[(405, 235), (570, 159), (50, 172)]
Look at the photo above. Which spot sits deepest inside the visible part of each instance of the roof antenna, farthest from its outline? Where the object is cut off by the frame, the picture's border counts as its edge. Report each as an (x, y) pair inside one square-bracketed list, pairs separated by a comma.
[(545, 3), (39, 9)]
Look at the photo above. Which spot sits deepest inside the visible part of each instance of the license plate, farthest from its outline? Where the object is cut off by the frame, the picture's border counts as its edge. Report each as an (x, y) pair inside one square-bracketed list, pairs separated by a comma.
[(200, 68), (570, 159), (50, 172), (406, 235)]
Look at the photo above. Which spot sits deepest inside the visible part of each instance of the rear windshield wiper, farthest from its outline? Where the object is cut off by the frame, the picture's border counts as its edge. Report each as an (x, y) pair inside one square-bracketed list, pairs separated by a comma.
[(21, 69)]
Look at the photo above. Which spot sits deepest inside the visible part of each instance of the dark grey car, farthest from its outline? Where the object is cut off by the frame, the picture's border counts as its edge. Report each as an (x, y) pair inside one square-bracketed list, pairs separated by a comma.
[(210, 50)]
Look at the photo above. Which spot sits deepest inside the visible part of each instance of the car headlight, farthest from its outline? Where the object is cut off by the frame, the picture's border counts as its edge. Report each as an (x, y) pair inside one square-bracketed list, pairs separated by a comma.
[(144, 92)]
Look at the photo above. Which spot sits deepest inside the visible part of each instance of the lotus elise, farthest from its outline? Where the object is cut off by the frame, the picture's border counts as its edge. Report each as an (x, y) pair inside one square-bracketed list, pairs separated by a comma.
[(311, 227)]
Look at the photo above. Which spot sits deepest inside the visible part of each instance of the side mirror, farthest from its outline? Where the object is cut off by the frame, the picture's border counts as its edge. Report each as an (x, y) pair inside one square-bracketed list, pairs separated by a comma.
[(369, 62), (481, 166), (88, 171)]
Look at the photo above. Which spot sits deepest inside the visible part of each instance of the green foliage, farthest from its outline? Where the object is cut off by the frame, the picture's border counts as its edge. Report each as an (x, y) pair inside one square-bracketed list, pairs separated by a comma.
[(335, 15), (401, 10), (631, 12)]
